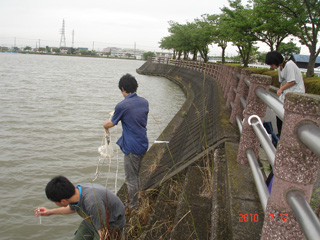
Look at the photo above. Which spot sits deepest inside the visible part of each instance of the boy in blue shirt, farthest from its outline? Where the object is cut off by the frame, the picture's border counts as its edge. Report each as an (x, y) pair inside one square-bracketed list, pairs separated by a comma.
[(133, 114)]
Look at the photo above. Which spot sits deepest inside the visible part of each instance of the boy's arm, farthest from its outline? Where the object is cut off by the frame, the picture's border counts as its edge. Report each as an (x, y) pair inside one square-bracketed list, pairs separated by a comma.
[(108, 124), (55, 211), (284, 87)]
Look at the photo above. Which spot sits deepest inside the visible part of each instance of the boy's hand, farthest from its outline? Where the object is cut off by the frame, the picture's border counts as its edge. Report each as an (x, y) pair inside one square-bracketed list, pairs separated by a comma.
[(42, 211), (279, 92)]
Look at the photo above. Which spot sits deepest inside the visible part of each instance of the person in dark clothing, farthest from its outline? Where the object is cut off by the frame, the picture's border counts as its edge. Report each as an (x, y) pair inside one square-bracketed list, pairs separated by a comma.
[(133, 114)]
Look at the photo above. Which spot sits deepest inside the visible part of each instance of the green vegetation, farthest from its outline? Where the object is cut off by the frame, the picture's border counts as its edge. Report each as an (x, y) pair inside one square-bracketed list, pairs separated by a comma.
[(148, 54), (303, 22), (287, 49), (312, 84), (27, 48), (267, 21)]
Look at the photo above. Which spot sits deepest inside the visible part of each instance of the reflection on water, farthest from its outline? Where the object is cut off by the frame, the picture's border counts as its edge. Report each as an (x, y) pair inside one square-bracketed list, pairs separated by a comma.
[(52, 111)]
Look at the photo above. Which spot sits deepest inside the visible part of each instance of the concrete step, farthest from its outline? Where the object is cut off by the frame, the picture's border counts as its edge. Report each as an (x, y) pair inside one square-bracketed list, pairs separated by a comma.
[(220, 218), (245, 214), (162, 218), (192, 218)]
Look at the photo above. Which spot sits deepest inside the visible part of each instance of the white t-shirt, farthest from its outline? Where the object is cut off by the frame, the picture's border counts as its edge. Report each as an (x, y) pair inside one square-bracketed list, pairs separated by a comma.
[(290, 73)]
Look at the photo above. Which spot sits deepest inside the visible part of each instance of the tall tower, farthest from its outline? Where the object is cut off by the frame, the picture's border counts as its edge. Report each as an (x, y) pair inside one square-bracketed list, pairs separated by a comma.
[(63, 36), (72, 38)]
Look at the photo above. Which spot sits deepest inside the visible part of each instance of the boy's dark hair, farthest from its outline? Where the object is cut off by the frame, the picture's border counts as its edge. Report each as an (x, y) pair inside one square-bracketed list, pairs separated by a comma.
[(274, 58), (128, 83), (59, 188)]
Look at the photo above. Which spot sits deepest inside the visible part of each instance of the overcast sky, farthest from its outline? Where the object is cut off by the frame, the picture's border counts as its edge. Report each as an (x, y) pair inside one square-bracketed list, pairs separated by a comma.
[(99, 23)]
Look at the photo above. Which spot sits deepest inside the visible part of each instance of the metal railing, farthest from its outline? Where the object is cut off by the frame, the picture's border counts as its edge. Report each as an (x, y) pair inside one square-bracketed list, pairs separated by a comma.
[(263, 191), (307, 132), (308, 221), (263, 137)]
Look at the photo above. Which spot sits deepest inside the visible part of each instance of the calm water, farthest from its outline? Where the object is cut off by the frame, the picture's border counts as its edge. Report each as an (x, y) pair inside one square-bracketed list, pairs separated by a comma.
[(51, 114)]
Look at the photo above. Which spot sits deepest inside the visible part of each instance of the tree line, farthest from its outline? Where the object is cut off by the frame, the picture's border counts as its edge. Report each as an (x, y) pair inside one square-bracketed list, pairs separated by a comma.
[(267, 21)]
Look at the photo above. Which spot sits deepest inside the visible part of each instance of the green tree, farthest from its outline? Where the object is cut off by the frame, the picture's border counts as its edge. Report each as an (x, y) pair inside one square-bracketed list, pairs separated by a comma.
[(148, 54), (287, 49), (271, 27), (183, 37), (240, 22), (169, 43), (56, 50), (73, 51), (219, 32), (88, 53), (203, 36), (180, 39), (48, 49), (42, 49), (192, 37), (305, 18), (261, 56), (27, 48)]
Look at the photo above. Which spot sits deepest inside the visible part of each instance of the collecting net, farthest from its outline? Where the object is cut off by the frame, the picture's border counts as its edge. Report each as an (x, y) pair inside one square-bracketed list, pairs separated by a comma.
[(107, 155)]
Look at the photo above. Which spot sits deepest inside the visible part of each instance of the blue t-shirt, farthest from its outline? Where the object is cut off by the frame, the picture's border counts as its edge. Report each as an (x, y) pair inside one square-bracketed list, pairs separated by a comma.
[(133, 114)]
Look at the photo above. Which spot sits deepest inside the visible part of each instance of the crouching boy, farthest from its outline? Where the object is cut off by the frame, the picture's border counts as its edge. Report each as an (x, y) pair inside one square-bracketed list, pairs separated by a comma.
[(102, 211)]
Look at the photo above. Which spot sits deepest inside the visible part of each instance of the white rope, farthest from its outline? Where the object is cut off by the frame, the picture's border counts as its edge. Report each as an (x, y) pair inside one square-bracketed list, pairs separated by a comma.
[(99, 165), (117, 169)]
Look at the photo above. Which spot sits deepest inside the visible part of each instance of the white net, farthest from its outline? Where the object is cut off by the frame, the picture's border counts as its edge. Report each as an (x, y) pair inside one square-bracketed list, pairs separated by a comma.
[(106, 153), (106, 149)]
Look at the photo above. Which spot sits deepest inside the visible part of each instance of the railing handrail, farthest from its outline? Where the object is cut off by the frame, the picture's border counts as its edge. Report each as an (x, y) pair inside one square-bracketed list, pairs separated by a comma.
[(275, 104), (258, 179), (307, 219), (309, 134), (239, 123), (264, 139)]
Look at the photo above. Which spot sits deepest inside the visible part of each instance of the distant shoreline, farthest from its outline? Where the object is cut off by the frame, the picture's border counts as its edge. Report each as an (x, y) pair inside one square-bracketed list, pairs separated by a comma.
[(70, 55)]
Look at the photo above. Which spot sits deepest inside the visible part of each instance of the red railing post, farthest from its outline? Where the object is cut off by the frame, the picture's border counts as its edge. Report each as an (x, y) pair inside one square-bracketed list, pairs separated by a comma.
[(242, 91), (296, 167), (233, 84), (254, 106)]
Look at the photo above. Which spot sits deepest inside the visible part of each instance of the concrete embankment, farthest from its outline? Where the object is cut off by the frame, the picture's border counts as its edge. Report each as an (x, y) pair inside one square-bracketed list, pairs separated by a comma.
[(199, 191)]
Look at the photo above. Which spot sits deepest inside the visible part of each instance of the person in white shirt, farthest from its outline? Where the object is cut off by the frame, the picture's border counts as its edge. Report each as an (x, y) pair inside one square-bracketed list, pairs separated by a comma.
[(290, 77)]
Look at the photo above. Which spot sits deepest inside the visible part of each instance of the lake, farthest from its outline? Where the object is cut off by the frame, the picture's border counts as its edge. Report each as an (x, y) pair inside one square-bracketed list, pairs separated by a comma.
[(51, 115)]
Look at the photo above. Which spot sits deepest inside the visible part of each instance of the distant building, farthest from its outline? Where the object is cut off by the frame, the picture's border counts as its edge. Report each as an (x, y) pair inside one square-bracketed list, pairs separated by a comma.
[(82, 48), (4, 48), (65, 50), (164, 54), (123, 52), (303, 60)]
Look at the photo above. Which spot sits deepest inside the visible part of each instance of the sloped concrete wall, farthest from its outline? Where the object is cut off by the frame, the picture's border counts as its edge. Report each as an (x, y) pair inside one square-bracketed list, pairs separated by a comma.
[(201, 123), (201, 127)]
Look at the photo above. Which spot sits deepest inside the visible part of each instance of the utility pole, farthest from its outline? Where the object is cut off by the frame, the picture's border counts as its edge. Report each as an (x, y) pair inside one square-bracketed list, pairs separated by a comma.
[(93, 46), (63, 36), (72, 38)]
